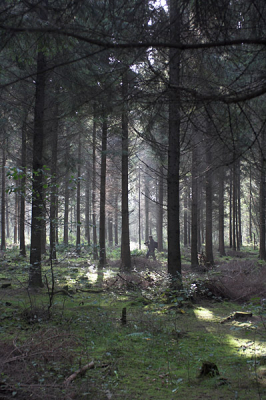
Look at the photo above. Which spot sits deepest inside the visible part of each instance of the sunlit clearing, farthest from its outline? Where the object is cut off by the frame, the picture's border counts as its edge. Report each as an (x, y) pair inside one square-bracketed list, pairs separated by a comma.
[(92, 274), (247, 347), (204, 313)]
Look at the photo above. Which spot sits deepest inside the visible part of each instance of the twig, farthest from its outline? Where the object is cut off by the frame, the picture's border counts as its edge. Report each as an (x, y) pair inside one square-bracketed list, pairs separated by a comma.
[(81, 372)]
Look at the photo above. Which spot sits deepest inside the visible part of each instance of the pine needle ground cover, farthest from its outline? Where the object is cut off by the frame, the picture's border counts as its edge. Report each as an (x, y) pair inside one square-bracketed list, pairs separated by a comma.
[(77, 345)]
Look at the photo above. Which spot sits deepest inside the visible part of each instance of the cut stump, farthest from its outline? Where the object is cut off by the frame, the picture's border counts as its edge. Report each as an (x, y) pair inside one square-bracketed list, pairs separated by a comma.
[(208, 369)]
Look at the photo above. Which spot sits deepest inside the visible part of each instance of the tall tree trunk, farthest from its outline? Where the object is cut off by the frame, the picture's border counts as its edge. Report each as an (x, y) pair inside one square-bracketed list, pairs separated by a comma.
[(66, 209), (234, 206), (116, 219), (186, 214), (139, 213), (53, 189), (125, 242), (209, 200), (250, 205), (35, 271), (160, 211), (110, 229), (231, 210), (94, 231), (88, 204), (102, 258), (221, 212), (239, 244), (7, 217), (174, 254), (194, 208), (16, 219), (147, 208), (78, 197), (3, 196), (262, 197), (22, 246)]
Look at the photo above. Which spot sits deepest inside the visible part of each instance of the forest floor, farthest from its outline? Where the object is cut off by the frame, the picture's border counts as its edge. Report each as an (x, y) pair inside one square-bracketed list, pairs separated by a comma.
[(71, 342)]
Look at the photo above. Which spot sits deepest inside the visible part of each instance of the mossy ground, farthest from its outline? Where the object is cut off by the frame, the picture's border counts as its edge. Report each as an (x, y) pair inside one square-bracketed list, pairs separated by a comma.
[(157, 354)]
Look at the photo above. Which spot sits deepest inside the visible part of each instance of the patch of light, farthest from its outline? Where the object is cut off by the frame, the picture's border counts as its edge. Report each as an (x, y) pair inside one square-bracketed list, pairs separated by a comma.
[(204, 313), (246, 347), (92, 276), (160, 3)]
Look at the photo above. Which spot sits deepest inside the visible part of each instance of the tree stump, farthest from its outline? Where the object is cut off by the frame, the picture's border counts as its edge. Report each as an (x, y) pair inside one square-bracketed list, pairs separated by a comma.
[(124, 316), (208, 369)]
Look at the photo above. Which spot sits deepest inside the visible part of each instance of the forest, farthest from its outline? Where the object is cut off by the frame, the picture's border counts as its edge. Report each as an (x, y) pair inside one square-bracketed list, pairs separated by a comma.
[(121, 120)]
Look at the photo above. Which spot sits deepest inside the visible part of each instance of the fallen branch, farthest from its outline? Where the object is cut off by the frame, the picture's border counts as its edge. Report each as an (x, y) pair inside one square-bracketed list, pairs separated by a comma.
[(90, 290), (81, 372), (61, 291)]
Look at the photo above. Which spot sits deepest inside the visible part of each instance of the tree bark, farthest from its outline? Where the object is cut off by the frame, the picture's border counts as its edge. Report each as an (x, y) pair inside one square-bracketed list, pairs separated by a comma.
[(53, 189), (221, 212), (35, 271), (22, 247), (95, 251), (262, 197), (160, 211), (125, 242), (209, 200), (78, 215), (3, 196), (194, 208), (147, 208), (186, 214), (102, 258), (174, 255), (88, 207), (66, 209)]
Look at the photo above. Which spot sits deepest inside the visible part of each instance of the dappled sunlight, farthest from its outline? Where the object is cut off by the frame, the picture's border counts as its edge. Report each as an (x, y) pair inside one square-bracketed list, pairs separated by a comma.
[(247, 347), (93, 274), (205, 314)]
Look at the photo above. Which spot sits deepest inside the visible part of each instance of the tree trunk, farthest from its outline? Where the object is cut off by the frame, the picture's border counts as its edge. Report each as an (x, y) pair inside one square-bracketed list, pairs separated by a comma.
[(221, 212), (35, 272), (78, 215), (186, 214), (22, 247), (3, 195), (16, 219), (7, 217), (262, 197), (234, 206), (250, 205), (194, 208), (231, 210), (174, 255), (147, 208), (125, 242), (239, 242), (116, 219), (53, 189), (88, 204), (95, 251), (160, 211), (66, 209), (102, 258), (110, 229), (139, 214), (209, 200)]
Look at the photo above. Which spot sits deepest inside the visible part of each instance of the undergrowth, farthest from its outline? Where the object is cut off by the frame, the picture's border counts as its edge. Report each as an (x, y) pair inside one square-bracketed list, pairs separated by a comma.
[(157, 352)]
